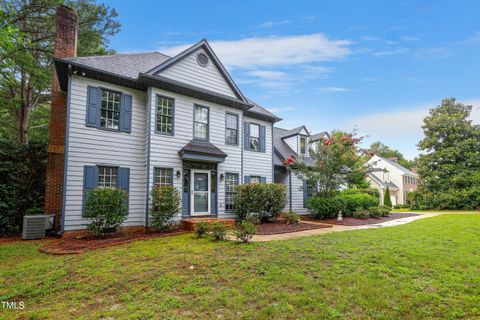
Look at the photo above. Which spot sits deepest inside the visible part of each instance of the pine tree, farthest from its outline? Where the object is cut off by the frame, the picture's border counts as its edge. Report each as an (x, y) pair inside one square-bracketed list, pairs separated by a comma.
[(387, 201)]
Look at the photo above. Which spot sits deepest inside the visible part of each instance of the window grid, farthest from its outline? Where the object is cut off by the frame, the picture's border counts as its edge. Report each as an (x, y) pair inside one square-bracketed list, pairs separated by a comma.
[(254, 137), (311, 189), (110, 110), (232, 129), (200, 122), (303, 142), (255, 179), (231, 181), (163, 177), (165, 115), (107, 177)]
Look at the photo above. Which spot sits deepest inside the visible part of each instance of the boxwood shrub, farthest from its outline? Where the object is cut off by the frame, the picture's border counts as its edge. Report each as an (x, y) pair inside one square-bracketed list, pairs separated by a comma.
[(263, 200), (359, 201), (326, 208)]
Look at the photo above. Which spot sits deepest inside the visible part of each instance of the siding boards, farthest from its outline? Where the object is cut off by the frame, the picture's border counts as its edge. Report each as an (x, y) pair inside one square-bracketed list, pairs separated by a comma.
[(259, 163)]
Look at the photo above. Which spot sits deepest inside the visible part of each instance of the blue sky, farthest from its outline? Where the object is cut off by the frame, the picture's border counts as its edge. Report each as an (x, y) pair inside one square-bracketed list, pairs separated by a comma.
[(374, 65)]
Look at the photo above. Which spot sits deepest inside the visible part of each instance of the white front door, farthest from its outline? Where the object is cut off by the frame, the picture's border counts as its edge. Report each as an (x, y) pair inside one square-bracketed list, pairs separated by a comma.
[(200, 192)]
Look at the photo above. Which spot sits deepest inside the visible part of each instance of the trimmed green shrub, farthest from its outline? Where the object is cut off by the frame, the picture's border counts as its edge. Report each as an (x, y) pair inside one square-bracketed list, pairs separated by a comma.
[(244, 231), (201, 229), (218, 230), (371, 191), (361, 214), (291, 217), (106, 209), (165, 205), (355, 202), (387, 201), (384, 210), (325, 208), (22, 182), (265, 200)]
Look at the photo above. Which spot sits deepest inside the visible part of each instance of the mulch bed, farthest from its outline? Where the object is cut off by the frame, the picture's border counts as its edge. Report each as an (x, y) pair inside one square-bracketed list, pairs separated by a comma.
[(10, 239), (81, 244), (278, 226), (350, 221)]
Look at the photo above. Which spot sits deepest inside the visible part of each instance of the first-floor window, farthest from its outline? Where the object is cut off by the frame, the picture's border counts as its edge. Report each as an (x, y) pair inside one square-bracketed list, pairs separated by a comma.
[(163, 177), (107, 177), (231, 181), (311, 189), (110, 110), (255, 179)]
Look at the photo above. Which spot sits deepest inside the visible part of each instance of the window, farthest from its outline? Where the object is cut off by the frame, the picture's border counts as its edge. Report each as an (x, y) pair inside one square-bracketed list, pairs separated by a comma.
[(107, 177), (255, 179), (164, 115), (254, 137), (231, 181), (311, 189), (231, 130), (163, 177), (200, 123), (110, 110), (303, 143)]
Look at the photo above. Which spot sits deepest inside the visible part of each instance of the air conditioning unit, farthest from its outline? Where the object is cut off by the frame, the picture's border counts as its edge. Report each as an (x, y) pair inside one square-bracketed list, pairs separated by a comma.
[(35, 226)]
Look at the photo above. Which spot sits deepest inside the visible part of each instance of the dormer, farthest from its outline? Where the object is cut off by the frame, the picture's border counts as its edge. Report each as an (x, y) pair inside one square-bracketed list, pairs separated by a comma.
[(298, 140)]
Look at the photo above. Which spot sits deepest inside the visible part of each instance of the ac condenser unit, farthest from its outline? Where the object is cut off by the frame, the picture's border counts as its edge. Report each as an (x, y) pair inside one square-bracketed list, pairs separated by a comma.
[(35, 226)]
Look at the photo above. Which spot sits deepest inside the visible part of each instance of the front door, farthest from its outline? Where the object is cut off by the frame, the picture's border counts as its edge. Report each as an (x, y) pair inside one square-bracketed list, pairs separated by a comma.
[(200, 191)]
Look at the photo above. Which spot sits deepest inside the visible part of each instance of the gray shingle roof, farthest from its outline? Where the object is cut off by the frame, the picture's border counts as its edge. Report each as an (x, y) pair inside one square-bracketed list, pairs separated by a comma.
[(384, 184), (126, 65), (318, 136), (258, 109), (398, 166), (294, 131), (203, 147), (283, 150)]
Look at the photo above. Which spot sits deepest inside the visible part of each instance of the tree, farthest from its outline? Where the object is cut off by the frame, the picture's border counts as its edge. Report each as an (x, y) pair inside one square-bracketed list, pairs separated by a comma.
[(385, 151), (450, 164), (26, 81), (336, 160), (387, 201)]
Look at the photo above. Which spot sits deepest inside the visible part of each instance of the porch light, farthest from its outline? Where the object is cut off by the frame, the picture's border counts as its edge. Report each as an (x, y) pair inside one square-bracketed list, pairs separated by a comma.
[(222, 176), (179, 174)]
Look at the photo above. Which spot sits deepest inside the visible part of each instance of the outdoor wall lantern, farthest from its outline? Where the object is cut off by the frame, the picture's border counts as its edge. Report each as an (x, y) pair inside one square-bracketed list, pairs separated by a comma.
[(179, 174), (222, 176)]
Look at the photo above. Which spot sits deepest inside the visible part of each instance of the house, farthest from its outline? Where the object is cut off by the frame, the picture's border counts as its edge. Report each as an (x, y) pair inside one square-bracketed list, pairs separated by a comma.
[(134, 121), (389, 173)]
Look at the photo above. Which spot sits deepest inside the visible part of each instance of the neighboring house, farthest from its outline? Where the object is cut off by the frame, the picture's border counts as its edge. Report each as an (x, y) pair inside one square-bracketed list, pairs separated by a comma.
[(388, 172), (297, 143), (134, 121)]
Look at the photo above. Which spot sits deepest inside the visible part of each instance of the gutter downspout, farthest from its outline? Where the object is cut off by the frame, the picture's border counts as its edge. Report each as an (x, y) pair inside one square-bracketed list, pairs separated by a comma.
[(290, 188), (149, 135)]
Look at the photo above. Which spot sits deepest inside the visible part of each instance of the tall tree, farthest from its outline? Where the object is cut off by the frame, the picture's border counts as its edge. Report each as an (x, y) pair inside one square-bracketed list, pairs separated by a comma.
[(452, 149), (385, 151), (25, 85), (337, 160)]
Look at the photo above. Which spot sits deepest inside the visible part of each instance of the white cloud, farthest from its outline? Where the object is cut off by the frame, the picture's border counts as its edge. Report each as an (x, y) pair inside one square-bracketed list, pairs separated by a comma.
[(319, 70), (271, 24), (390, 52), (281, 109), (409, 38), (331, 89), (275, 51), (268, 74)]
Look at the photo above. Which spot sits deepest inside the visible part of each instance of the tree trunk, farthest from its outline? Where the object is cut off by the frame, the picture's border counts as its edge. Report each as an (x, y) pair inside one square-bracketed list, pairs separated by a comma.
[(24, 116)]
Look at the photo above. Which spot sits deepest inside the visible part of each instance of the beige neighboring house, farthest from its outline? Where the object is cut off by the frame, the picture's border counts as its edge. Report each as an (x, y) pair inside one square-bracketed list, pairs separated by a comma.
[(388, 172)]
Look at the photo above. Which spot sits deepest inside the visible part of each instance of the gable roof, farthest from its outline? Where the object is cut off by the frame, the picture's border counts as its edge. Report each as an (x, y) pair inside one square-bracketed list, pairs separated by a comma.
[(381, 183), (282, 150), (318, 136), (398, 166), (206, 46), (294, 131)]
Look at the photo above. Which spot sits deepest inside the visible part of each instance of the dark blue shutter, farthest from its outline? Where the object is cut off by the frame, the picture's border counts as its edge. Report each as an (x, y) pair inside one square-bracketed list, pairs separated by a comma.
[(123, 181), (126, 113), (305, 195), (186, 193), (246, 179), (262, 138), (246, 135), (263, 179), (214, 187), (94, 100), (90, 181)]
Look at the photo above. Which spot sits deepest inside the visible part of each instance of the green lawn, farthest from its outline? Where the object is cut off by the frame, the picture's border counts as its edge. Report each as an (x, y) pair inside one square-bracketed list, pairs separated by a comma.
[(426, 269)]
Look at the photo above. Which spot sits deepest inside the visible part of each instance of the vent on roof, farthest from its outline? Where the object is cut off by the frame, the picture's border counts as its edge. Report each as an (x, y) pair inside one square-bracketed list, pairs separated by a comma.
[(35, 226), (202, 59)]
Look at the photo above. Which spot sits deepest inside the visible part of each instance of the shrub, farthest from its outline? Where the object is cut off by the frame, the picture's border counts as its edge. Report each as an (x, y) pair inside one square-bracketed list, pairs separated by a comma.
[(359, 201), (361, 214), (201, 229), (387, 201), (325, 208), (22, 182), (291, 217), (165, 205), (106, 209), (384, 210), (218, 230), (244, 231), (371, 191), (265, 200)]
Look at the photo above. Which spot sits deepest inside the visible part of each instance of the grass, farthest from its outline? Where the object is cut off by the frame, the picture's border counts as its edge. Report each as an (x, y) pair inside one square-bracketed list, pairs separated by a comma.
[(434, 210), (426, 269)]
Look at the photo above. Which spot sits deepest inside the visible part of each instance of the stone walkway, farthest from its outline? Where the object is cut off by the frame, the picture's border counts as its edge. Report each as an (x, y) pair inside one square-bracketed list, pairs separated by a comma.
[(338, 228)]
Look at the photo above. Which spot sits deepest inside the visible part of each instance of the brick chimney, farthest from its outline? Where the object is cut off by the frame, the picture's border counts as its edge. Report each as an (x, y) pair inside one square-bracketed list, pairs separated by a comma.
[(65, 46)]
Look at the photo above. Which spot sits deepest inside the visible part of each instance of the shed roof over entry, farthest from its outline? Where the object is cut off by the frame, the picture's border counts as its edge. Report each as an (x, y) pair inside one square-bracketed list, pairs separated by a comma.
[(198, 150)]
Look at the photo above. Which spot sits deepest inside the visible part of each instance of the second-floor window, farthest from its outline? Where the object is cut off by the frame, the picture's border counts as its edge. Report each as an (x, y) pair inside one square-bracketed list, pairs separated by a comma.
[(254, 137), (303, 146), (200, 123), (231, 129), (107, 177), (165, 115), (110, 110)]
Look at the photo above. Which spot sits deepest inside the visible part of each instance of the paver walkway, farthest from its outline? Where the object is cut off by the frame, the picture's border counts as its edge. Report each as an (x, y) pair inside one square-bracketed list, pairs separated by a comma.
[(338, 228)]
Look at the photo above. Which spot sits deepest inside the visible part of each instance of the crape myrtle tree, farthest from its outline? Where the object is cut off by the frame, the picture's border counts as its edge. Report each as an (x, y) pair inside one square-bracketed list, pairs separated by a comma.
[(337, 160), (449, 166), (29, 28)]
